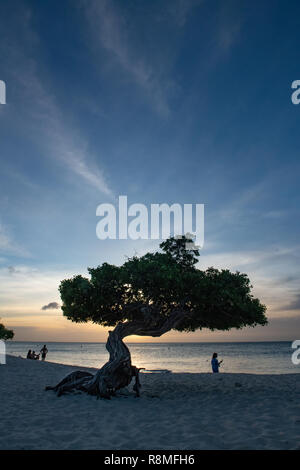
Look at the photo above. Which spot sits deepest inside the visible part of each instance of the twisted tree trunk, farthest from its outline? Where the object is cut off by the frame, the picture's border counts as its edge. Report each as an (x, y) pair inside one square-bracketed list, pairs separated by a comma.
[(118, 371)]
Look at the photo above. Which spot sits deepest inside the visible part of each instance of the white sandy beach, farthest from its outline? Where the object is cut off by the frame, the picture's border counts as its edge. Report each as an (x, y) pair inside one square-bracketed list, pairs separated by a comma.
[(175, 411)]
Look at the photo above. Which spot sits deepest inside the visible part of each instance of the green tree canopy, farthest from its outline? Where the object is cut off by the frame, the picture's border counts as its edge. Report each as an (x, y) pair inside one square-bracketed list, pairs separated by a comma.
[(5, 334), (163, 281)]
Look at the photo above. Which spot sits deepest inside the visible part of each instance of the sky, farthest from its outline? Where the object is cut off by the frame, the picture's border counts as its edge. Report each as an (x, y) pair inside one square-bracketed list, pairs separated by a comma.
[(169, 101)]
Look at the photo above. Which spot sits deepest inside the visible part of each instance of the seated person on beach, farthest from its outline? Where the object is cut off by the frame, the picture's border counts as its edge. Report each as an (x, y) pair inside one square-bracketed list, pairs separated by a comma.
[(215, 363), (35, 356), (44, 351), (29, 354)]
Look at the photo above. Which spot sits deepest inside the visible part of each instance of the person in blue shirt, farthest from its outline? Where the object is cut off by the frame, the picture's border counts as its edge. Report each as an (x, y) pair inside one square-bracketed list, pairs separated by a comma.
[(215, 364)]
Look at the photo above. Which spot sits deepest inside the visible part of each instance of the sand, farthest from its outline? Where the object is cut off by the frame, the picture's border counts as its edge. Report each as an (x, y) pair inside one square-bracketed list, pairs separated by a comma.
[(175, 411)]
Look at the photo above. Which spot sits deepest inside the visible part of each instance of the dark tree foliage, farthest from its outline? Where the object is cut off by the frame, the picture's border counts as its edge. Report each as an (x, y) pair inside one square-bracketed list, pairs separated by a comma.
[(5, 333), (163, 281)]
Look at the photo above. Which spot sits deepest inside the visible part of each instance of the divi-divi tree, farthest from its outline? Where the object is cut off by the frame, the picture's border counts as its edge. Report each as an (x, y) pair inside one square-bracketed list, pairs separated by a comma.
[(149, 296)]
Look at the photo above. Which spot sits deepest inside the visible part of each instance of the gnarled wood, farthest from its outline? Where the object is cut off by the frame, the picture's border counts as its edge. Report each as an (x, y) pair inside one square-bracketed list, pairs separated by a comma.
[(118, 371)]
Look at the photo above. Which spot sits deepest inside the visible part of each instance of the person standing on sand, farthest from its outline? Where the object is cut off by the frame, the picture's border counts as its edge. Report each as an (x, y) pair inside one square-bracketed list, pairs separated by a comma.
[(215, 364), (44, 351)]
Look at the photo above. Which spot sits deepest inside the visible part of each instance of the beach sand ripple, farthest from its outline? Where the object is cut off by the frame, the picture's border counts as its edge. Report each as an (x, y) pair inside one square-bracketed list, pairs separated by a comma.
[(175, 411)]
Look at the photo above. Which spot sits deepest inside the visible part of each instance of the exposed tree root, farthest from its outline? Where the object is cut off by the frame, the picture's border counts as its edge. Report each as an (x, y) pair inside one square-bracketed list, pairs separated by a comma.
[(118, 372)]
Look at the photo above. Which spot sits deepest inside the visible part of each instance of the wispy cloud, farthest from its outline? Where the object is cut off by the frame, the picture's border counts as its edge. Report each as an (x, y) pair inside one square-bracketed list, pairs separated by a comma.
[(294, 304), (229, 25), (50, 306), (179, 10), (273, 272), (47, 123), (109, 31), (228, 35), (26, 288), (72, 151), (9, 246), (243, 200), (275, 214)]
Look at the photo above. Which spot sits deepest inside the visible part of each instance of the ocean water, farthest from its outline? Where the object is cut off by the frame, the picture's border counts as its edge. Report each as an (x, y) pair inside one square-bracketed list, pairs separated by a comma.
[(258, 358)]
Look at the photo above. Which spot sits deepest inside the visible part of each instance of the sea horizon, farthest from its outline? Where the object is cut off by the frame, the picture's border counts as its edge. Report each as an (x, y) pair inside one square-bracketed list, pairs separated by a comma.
[(150, 342)]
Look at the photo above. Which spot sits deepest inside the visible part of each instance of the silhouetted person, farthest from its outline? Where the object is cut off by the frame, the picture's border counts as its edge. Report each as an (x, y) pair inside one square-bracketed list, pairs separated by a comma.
[(215, 364), (35, 356), (29, 354), (44, 351)]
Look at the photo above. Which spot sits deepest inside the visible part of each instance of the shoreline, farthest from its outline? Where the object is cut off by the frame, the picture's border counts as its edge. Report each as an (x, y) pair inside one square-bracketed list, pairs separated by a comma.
[(254, 358), (176, 411), (149, 371)]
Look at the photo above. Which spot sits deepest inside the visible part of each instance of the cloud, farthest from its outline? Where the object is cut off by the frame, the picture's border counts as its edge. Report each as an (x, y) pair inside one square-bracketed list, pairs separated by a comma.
[(239, 259), (227, 35), (246, 198), (44, 120), (229, 25), (180, 10), (61, 330), (12, 269), (294, 305), (51, 305), (273, 272), (8, 246), (27, 288), (71, 151), (275, 214), (110, 31)]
